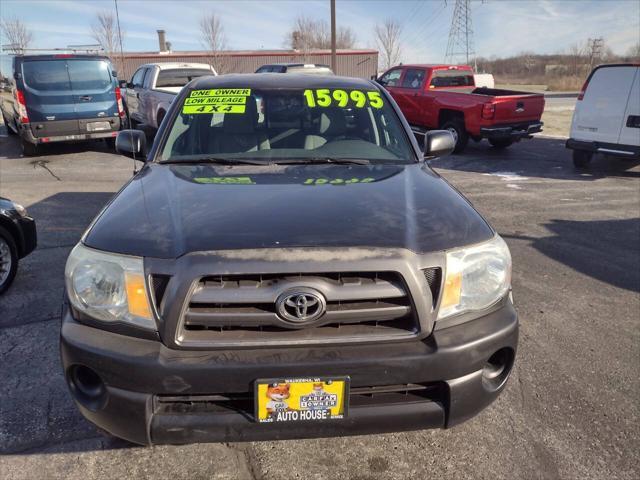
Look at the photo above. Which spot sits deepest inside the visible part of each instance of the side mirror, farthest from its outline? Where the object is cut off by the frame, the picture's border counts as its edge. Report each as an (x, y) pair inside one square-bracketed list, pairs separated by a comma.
[(438, 143), (123, 84), (133, 144)]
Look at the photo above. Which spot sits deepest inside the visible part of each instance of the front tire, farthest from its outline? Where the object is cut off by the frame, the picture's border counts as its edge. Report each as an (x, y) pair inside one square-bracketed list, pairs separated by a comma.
[(581, 158), (8, 260), (460, 135), (500, 143)]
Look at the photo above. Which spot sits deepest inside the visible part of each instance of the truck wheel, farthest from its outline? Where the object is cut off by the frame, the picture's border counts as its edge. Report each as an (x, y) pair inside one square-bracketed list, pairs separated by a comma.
[(460, 135), (8, 259), (500, 143), (581, 158), (28, 149)]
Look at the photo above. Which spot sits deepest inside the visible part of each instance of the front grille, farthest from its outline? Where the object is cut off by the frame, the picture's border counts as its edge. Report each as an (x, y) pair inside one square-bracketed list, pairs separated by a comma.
[(243, 403), (241, 309)]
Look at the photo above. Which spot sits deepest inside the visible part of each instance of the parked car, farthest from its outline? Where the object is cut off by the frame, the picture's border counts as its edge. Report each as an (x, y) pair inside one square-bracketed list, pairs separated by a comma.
[(445, 96), (297, 260), (607, 115), (305, 68), (62, 98), (17, 239), (153, 87)]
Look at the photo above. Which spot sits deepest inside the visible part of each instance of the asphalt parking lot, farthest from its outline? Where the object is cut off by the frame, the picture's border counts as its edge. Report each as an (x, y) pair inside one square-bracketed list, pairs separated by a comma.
[(571, 407)]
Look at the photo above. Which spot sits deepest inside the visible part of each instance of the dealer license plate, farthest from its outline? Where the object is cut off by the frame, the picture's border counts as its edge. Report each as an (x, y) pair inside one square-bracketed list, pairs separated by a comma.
[(301, 399), (98, 126)]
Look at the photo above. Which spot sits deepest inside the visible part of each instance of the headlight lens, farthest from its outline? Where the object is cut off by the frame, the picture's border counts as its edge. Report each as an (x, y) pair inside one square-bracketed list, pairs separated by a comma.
[(476, 277), (20, 209), (108, 286)]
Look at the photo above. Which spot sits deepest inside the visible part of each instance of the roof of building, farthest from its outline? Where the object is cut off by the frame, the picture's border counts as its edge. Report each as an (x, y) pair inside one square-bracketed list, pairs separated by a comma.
[(249, 53)]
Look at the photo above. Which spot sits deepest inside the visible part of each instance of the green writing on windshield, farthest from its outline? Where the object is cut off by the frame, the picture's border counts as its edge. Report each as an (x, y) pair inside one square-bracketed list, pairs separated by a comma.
[(337, 181), (225, 180)]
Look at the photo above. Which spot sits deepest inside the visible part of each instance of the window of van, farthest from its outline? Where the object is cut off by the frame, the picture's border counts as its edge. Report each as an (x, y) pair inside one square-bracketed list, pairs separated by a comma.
[(452, 78), (89, 75), (46, 75)]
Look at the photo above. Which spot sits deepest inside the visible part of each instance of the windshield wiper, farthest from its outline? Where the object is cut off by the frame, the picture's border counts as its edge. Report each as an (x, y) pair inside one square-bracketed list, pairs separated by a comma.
[(219, 161), (319, 160)]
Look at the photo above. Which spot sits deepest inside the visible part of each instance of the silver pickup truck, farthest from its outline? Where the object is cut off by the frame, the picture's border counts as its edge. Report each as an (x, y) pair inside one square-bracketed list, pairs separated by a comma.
[(154, 86)]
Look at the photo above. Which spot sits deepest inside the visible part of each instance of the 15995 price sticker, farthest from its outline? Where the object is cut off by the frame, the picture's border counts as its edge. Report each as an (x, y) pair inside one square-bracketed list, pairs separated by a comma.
[(324, 97)]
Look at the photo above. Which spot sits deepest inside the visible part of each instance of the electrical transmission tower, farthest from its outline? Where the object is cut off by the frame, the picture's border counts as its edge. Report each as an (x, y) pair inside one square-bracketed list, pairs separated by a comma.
[(595, 48), (460, 47)]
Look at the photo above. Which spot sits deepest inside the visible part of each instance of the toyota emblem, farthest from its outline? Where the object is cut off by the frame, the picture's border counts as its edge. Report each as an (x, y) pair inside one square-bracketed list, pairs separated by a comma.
[(301, 306)]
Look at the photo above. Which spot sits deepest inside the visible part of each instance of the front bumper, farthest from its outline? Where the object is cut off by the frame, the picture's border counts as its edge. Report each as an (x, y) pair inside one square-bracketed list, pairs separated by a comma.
[(141, 375), (514, 132)]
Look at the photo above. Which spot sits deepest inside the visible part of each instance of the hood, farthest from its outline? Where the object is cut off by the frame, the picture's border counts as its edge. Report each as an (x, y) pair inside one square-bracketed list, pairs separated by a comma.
[(169, 210)]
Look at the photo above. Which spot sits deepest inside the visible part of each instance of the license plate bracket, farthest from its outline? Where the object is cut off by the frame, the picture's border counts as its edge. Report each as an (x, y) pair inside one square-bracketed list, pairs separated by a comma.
[(294, 400)]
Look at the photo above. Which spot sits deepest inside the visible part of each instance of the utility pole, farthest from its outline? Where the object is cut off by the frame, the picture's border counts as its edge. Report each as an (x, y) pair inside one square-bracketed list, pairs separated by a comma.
[(333, 37), (460, 48)]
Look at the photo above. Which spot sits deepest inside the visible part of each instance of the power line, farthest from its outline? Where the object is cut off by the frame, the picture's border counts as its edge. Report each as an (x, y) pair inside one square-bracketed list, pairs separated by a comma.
[(460, 46)]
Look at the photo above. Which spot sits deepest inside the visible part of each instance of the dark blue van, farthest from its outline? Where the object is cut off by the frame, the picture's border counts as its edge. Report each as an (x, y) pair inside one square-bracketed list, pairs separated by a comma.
[(62, 98)]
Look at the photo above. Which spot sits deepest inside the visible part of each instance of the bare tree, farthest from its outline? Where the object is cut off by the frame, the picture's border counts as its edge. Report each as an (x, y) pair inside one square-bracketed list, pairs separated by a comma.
[(577, 58), (634, 52), (18, 36), (387, 37), (105, 32), (307, 34), (214, 40)]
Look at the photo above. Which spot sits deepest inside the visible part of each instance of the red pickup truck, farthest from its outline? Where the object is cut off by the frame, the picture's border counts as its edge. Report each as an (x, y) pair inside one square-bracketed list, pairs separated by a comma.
[(445, 97)]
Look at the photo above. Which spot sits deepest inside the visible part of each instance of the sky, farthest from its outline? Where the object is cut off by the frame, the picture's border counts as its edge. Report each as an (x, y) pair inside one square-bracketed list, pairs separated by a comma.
[(501, 27)]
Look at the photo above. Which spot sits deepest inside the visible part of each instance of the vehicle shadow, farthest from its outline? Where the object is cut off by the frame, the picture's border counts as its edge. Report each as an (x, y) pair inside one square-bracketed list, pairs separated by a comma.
[(11, 148), (540, 157), (606, 250)]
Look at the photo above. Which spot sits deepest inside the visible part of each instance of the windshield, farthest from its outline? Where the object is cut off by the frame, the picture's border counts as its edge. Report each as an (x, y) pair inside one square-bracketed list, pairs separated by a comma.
[(272, 125)]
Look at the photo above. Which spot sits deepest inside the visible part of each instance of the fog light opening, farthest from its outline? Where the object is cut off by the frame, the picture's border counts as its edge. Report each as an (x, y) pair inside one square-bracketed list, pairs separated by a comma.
[(497, 369), (87, 387)]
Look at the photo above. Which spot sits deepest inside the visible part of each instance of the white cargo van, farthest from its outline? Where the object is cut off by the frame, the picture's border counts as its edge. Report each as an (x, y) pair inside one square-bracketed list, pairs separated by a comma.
[(607, 115)]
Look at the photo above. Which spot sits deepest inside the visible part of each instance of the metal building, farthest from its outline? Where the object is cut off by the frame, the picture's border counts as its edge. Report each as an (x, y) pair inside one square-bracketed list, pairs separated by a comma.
[(351, 63)]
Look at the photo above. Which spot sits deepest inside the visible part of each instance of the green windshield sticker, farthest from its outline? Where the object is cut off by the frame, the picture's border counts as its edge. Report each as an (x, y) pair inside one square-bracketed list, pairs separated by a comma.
[(222, 108), (215, 100), (225, 180), (324, 97), (222, 92), (337, 181)]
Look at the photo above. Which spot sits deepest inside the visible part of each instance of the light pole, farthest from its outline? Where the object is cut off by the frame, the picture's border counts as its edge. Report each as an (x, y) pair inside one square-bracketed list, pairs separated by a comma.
[(333, 37)]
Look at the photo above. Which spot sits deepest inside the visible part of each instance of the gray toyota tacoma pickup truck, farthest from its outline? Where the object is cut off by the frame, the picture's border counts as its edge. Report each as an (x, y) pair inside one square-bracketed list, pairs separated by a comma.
[(285, 265)]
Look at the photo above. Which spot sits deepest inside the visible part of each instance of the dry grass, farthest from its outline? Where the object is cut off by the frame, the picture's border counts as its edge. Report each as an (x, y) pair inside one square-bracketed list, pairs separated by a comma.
[(557, 123), (568, 83)]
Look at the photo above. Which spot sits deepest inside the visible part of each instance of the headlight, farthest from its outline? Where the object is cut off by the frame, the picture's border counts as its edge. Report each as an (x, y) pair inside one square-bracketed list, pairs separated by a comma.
[(20, 209), (108, 286), (476, 277)]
